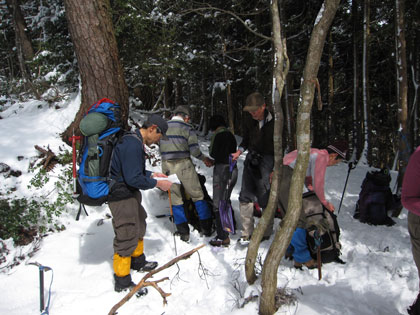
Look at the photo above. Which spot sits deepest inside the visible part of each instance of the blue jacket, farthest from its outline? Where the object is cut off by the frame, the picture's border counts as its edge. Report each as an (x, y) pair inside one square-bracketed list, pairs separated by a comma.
[(128, 163)]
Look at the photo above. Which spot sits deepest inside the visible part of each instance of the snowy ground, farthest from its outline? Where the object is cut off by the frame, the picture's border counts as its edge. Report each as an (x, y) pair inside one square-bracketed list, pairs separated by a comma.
[(379, 276)]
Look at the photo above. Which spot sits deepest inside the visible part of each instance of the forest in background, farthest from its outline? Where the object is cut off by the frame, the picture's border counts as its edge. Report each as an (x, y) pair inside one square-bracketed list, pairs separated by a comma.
[(212, 54)]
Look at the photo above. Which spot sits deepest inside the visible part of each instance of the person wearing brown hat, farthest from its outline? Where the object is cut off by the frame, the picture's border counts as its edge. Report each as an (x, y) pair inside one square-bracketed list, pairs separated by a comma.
[(319, 160), (176, 152), (128, 171), (257, 139)]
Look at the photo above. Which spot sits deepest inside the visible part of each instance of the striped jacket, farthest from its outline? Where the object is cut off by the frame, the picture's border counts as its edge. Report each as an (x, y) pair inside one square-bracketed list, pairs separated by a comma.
[(182, 141)]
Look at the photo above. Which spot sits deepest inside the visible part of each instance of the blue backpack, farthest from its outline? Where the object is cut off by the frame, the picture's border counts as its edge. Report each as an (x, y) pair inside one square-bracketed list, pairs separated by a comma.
[(101, 128)]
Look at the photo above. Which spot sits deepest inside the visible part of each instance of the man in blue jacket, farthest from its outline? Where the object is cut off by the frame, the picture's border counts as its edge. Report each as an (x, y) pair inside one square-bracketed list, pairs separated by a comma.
[(128, 169)]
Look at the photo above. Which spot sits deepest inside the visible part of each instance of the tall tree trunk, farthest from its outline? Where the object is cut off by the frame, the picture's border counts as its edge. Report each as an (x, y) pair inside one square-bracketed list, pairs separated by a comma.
[(284, 235), (226, 74), (330, 111), (24, 47), (365, 79), (281, 68), (402, 87), (96, 50), (288, 101), (356, 121)]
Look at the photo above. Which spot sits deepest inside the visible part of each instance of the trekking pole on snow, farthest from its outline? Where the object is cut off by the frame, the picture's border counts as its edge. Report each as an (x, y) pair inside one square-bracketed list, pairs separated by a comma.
[(351, 166), (173, 219), (317, 239)]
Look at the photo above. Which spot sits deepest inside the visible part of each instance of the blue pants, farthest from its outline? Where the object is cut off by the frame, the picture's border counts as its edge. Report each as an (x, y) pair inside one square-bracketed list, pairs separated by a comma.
[(298, 246)]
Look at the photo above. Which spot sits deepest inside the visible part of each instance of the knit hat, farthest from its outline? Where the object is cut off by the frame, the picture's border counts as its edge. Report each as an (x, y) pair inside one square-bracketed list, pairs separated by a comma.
[(340, 147)]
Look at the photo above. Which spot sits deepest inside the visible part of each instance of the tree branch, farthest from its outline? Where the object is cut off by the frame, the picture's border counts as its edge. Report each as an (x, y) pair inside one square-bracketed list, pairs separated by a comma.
[(144, 283)]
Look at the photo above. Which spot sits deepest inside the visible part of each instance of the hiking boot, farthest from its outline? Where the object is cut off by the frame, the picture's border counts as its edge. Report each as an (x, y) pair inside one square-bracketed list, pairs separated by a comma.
[(244, 240), (310, 264), (288, 256), (141, 264), (185, 237), (218, 242), (123, 283), (183, 230), (207, 227)]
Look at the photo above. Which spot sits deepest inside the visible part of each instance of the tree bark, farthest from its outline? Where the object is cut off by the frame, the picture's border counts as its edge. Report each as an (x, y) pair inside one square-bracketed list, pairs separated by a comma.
[(281, 68), (101, 73), (24, 47), (356, 121), (284, 235), (365, 85), (402, 88)]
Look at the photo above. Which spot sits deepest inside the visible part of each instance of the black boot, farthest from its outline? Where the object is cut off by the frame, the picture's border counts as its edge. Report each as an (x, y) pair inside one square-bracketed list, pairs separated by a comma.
[(207, 227), (183, 230), (123, 283), (141, 264)]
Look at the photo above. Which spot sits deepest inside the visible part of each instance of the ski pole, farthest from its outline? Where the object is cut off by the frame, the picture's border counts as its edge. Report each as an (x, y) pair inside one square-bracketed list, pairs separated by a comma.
[(345, 185)]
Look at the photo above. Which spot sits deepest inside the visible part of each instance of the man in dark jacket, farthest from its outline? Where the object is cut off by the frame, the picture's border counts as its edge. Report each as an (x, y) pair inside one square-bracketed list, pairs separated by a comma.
[(128, 169), (259, 162)]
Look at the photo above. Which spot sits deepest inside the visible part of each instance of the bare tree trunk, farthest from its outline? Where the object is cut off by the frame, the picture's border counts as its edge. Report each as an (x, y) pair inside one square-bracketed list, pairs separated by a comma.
[(228, 92), (356, 124), (25, 44), (365, 79), (24, 47), (96, 50), (284, 235), (281, 68), (288, 102), (402, 87), (330, 114)]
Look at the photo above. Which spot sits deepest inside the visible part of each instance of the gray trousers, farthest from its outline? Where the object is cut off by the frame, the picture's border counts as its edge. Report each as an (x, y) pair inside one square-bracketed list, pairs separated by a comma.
[(255, 188), (129, 223), (414, 231)]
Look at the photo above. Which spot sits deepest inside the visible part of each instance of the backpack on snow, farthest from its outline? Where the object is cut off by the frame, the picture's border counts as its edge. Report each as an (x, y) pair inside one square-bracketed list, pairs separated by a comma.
[(101, 128), (376, 199), (322, 229)]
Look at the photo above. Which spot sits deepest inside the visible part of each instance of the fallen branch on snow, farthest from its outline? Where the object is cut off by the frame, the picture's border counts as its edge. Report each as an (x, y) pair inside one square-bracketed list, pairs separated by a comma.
[(144, 283)]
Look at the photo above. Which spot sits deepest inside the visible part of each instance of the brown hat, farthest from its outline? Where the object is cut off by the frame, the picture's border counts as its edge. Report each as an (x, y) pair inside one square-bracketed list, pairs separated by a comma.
[(182, 109), (253, 102), (340, 147), (160, 123)]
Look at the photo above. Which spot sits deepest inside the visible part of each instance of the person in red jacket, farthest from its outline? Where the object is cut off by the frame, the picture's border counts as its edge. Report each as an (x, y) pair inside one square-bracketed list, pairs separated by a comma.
[(410, 198)]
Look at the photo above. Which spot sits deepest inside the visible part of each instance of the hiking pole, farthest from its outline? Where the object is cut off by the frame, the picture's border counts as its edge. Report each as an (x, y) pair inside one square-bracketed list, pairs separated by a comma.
[(317, 239), (345, 185), (173, 219)]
